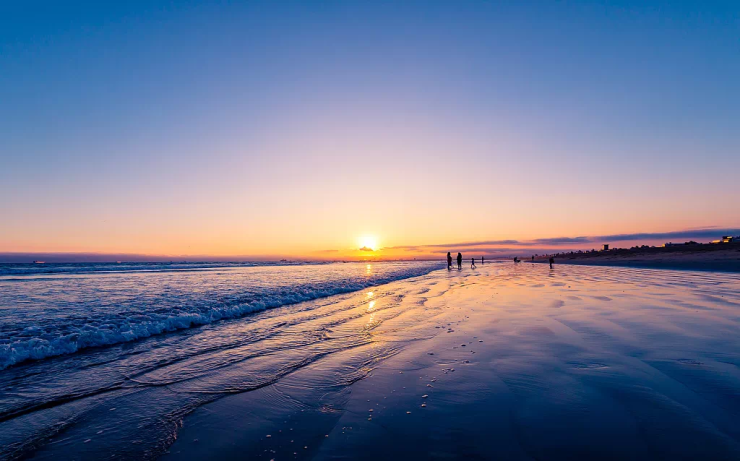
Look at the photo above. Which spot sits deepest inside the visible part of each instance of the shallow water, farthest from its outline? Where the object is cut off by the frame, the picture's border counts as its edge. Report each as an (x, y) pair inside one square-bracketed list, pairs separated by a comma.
[(112, 337), (55, 309), (644, 360)]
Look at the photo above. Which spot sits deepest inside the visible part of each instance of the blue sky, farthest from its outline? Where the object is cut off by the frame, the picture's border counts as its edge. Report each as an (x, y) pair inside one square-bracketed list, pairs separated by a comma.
[(168, 126)]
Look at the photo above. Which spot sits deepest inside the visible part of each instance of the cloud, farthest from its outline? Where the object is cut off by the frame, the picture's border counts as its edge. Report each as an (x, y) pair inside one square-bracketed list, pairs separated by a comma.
[(366, 249), (559, 241), (456, 245), (705, 233)]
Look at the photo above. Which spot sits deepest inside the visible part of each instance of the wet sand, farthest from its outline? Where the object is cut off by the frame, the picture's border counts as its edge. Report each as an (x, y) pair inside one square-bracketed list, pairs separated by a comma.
[(724, 258), (505, 362)]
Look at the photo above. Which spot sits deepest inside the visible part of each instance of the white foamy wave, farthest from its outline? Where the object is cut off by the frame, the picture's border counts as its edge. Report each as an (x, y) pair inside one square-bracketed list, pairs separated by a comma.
[(23, 270), (67, 335)]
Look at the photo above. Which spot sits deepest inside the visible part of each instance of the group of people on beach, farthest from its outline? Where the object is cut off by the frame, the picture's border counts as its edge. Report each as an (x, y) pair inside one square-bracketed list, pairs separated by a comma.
[(460, 260), (482, 261)]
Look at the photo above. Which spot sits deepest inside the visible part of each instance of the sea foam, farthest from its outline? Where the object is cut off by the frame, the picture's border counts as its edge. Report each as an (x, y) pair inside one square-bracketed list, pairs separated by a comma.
[(144, 305)]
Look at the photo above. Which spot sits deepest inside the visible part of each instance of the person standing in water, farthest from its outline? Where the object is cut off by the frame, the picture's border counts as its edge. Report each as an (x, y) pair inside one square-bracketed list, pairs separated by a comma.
[(472, 263), (552, 261), (449, 261), (482, 260), (459, 261), (532, 258)]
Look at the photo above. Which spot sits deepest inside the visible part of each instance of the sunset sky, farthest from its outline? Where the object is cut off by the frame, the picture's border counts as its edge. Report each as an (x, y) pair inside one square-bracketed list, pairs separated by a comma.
[(311, 128)]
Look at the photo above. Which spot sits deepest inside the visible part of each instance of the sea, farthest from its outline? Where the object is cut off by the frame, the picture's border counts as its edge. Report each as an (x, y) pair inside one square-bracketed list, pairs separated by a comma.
[(372, 360), (75, 335)]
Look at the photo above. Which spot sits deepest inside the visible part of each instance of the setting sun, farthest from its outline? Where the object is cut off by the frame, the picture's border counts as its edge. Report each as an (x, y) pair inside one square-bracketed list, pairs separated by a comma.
[(368, 243)]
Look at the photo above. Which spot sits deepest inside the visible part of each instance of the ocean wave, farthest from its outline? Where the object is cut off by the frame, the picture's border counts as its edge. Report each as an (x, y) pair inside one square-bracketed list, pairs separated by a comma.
[(25, 269), (105, 329)]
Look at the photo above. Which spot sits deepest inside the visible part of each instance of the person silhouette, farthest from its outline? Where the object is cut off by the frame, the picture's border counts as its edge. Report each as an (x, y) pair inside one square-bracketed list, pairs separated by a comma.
[(532, 258), (472, 263), (482, 260), (449, 261), (459, 261), (552, 261)]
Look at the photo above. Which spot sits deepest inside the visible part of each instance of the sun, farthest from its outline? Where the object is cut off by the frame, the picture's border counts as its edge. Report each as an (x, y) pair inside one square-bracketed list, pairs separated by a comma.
[(368, 243)]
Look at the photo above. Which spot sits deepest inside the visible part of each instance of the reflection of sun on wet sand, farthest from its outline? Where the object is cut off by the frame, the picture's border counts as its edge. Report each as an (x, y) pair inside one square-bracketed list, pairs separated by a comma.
[(595, 362)]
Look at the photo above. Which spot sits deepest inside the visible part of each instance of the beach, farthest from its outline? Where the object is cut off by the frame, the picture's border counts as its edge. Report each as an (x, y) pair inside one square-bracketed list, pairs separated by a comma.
[(511, 363), (502, 362), (717, 257)]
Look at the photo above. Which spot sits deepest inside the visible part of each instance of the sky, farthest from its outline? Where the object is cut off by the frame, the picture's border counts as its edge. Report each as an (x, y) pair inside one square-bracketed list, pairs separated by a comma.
[(293, 128)]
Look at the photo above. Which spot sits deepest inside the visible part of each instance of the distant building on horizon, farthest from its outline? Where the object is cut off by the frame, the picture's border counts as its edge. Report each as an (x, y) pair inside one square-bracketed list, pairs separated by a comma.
[(726, 239), (606, 247)]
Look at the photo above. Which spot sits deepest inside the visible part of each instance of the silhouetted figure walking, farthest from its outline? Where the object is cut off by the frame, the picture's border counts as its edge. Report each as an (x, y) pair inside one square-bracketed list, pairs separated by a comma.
[(449, 261), (532, 258), (459, 261), (482, 260), (472, 263), (516, 259), (552, 261)]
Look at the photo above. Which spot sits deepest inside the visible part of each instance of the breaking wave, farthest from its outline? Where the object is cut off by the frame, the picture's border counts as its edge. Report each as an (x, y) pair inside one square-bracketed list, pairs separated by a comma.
[(72, 331)]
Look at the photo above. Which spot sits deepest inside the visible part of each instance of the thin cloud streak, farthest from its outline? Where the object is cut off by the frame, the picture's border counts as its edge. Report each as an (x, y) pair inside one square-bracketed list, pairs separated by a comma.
[(462, 245), (703, 233)]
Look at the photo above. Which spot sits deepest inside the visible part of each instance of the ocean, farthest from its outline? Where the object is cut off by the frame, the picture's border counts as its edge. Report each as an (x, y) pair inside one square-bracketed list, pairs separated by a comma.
[(368, 361), (55, 309), (74, 335)]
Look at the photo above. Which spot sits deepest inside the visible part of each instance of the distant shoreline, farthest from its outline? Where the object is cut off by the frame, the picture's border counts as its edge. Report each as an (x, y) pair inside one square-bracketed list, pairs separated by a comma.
[(715, 258)]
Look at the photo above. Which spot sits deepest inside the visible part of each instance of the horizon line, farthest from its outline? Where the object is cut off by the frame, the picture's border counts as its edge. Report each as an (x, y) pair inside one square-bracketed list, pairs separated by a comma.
[(498, 248)]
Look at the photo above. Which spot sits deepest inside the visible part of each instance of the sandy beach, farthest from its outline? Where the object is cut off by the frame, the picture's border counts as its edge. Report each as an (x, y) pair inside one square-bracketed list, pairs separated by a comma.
[(502, 362), (724, 258), (505, 362)]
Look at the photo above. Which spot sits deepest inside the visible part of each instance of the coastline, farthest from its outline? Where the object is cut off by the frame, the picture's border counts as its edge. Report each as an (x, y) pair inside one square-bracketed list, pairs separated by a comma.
[(514, 362), (718, 259)]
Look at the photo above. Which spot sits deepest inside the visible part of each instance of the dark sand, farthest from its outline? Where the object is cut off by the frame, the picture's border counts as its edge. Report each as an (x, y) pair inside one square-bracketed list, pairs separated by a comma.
[(724, 258)]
